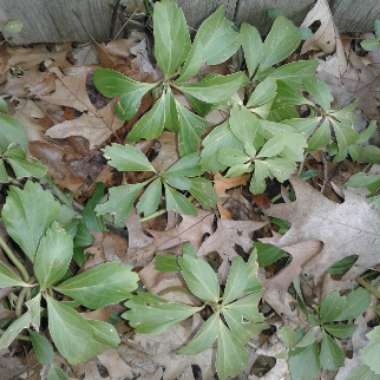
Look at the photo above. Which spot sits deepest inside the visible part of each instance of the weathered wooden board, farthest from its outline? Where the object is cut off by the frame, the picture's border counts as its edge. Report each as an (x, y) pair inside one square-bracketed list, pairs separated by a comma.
[(256, 11), (59, 20), (355, 15), (77, 20)]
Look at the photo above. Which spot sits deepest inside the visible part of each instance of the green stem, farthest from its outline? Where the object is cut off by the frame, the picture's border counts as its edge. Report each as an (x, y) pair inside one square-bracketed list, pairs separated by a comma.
[(152, 216), (16, 262), (20, 301)]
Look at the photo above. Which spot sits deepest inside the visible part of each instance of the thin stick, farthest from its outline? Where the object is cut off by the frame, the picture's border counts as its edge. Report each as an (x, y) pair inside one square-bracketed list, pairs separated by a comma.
[(16, 262)]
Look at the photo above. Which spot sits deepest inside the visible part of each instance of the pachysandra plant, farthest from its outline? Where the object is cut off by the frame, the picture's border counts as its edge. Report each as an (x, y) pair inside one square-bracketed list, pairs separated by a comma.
[(14, 161), (373, 43), (318, 349), (179, 60), (183, 176), (39, 234), (369, 181), (235, 317)]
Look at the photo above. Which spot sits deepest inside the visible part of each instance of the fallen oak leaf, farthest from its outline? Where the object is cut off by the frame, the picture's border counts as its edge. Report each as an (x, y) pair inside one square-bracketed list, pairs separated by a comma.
[(346, 229), (97, 127)]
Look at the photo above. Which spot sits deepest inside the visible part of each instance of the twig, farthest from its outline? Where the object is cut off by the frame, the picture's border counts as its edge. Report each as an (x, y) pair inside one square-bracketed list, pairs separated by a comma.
[(152, 216), (20, 301), (16, 262), (325, 172)]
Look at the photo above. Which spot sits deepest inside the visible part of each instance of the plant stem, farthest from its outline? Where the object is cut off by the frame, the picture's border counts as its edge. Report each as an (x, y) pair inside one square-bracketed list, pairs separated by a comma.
[(20, 301), (152, 216), (16, 262)]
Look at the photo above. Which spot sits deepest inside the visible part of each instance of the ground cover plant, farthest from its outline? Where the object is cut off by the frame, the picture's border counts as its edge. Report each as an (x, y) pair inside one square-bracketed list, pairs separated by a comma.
[(207, 210)]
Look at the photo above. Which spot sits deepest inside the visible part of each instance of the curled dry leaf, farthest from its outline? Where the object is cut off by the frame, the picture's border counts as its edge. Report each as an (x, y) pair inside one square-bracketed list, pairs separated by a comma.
[(324, 39), (95, 126), (345, 229)]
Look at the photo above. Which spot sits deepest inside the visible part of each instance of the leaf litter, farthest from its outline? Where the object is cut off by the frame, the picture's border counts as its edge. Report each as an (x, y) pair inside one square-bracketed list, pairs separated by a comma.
[(69, 122)]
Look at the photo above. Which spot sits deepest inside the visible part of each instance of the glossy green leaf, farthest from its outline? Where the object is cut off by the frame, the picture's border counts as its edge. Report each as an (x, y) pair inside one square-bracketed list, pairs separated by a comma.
[(304, 363), (103, 285), (166, 263), (53, 256), (42, 348), (321, 137), (341, 331), (320, 92), (72, 334), (331, 307), (9, 278), (215, 88), (204, 338), (357, 302), (175, 201), (127, 158), (247, 307), (150, 314), (231, 357), (56, 373), (215, 42), (370, 354), (191, 128), (187, 166), (171, 36), (11, 131), (267, 254), (150, 200), (258, 180), (120, 201), (264, 93), (27, 228), (295, 72), (14, 329), (200, 278), (203, 191), (232, 156), (244, 125), (331, 356), (282, 40), (253, 47), (4, 177), (111, 83)]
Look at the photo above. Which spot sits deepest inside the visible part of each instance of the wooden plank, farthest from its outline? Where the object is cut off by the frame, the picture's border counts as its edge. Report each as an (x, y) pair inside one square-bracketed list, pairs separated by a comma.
[(197, 10), (255, 11), (355, 15), (57, 20)]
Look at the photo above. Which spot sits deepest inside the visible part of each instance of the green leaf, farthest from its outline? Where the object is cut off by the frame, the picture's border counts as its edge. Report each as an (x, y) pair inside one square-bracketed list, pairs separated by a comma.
[(203, 191), (253, 47), (55, 373), (219, 138), (127, 158), (24, 218), (304, 363), (345, 136), (215, 42), (295, 72), (215, 88), (370, 354), (53, 256), (103, 285), (231, 358), (244, 125), (166, 263), (282, 40), (377, 28), (104, 333), (290, 336), (175, 201), (341, 331), (111, 83), (357, 302), (281, 168), (320, 92), (120, 201), (204, 338), (42, 348), (162, 115), (362, 373), (370, 44), (267, 254), (4, 177), (14, 329), (264, 93), (150, 200), (237, 281), (23, 166), (34, 307), (200, 278), (171, 36), (340, 267), (188, 166), (191, 128), (321, 137), (258, 183), (150, 314), (362, 179), (74, 336), (332, 306), (8, 278), (331, 356), (11, 131), (247, 307), (3, 105)]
